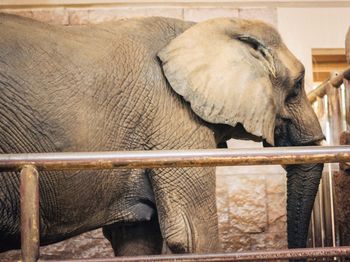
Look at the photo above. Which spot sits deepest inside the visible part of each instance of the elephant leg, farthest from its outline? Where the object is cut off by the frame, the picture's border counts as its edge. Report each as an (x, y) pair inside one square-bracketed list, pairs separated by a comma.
[(186, 205), (134, 239)]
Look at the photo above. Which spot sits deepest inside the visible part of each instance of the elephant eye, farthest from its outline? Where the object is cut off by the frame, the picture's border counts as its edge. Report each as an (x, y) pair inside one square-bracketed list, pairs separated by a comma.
[(295, 91)]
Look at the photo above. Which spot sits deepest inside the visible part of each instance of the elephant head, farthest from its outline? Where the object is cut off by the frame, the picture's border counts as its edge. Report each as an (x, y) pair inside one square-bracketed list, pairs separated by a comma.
[(239, 73)]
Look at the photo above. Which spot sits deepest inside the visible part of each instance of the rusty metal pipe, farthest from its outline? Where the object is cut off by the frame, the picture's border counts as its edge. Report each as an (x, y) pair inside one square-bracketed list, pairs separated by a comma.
[(239, 256), (319, 91), (176, 158), (334, 82), (29, 195)]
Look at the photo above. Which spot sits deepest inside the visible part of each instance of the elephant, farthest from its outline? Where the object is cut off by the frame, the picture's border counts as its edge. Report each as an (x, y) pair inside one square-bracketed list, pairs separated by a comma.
[(147, 84)]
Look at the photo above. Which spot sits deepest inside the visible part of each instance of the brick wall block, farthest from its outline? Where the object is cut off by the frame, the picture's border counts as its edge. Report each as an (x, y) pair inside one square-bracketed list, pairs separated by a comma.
[(268, 15), (201, 14), (276, 212), (78, 16), (57, 16), (247, 204), (276, 183), (98, 15)]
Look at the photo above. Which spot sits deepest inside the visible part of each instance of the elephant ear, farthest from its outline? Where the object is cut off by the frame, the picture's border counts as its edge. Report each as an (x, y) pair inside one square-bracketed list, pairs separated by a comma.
[(223, 68)]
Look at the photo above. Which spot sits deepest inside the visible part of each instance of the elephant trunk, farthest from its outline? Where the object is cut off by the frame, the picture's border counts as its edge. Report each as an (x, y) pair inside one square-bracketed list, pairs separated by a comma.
[(302, 185)]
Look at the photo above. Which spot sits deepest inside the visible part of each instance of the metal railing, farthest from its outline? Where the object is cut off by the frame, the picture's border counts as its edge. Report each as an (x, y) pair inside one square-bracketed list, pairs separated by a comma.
[(329, 252), (333, 110), (29, 164), (334, 81)]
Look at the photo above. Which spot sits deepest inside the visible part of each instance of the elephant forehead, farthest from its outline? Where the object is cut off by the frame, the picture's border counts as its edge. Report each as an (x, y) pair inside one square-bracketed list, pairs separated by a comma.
[(294, 68), (231, 27)]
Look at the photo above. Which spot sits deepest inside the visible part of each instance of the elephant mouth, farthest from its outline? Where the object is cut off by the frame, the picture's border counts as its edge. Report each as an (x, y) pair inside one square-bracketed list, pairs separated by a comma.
[(289, 134), (310, 142), (313, 142), (266, 144)]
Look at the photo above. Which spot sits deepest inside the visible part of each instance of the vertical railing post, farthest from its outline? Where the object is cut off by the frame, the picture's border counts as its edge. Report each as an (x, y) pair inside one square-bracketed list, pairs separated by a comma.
[(30, 236)]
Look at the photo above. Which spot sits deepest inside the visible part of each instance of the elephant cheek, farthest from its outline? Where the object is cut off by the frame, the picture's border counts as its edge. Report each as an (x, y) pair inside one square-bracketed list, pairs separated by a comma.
[(302, 186)]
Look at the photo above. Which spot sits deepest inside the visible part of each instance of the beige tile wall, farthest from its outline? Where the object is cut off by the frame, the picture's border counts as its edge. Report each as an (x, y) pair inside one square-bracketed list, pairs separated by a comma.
[(74, 16), (251, 211)]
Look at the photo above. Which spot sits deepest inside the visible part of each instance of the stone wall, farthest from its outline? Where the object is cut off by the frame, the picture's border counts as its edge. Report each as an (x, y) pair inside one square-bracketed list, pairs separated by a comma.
[(251, 209), (251, 201), (93, 15)]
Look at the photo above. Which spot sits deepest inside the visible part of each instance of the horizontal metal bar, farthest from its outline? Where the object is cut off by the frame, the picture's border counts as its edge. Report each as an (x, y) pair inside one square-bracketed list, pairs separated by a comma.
[(338, 77), (334, 82), (239, 256), (320, 91), (176, 158)]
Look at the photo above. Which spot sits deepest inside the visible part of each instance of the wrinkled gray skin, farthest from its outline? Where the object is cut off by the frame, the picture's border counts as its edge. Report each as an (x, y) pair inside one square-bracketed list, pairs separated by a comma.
[(102, 88)]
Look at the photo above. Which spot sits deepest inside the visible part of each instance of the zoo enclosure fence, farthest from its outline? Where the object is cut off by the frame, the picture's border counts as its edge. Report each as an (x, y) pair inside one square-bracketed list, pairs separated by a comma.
[(333, 111), (30, 164)]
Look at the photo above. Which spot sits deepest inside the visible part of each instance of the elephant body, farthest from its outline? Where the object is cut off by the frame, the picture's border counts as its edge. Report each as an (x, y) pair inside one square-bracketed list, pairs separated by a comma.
[(56, 106), (141, 84)]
